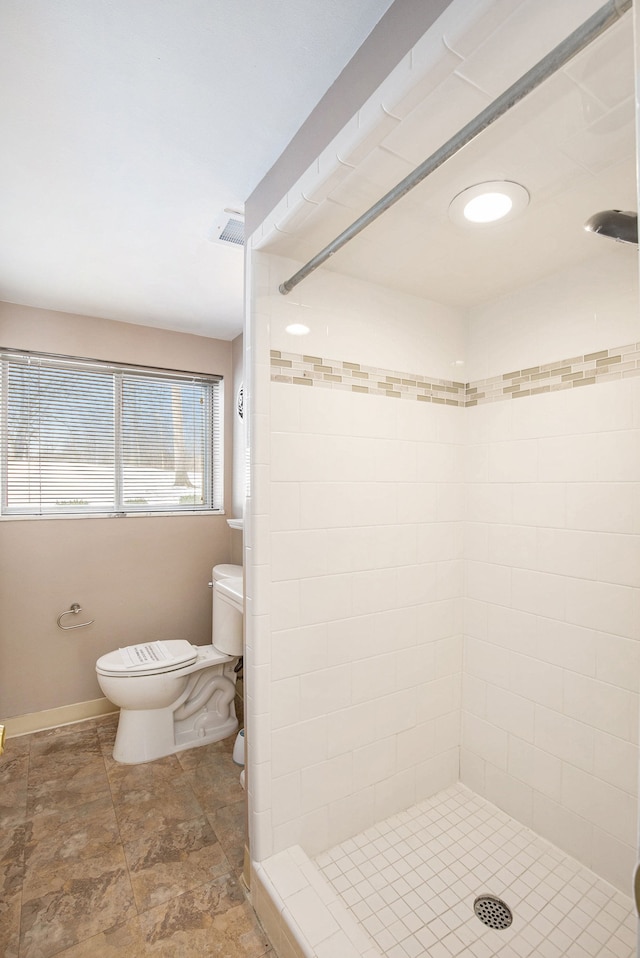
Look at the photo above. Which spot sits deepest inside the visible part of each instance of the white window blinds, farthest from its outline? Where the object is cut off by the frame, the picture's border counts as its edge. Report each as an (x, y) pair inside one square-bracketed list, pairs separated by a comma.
[(86, 437)]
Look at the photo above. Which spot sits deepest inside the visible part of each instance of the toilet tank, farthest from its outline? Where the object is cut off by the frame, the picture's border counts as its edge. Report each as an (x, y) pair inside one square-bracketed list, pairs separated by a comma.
[(228, 599)]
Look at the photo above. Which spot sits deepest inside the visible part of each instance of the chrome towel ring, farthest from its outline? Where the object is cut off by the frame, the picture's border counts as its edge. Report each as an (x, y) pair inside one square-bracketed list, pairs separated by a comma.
[(75, 608)]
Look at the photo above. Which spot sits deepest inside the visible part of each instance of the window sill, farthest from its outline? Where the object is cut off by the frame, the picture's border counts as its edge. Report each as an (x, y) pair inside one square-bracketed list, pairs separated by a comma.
[(113, 515)]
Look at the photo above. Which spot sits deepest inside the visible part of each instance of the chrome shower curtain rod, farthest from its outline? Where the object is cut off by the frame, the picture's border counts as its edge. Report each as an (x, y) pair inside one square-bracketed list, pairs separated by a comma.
[(600, 21)]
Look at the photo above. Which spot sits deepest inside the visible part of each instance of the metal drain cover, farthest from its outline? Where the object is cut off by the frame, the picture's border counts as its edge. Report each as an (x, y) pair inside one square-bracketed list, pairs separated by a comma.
[(492, 911)]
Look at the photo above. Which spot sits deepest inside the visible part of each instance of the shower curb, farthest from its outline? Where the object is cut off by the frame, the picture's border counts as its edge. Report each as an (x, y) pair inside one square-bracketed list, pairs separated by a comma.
[(301, 913)]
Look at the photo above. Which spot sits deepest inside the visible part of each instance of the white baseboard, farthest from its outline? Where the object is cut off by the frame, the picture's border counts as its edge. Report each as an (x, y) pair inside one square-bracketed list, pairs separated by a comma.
[(51, 718)]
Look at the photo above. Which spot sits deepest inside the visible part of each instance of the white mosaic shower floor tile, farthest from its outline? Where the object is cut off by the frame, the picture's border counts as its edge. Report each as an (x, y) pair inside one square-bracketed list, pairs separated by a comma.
[(411, 882)]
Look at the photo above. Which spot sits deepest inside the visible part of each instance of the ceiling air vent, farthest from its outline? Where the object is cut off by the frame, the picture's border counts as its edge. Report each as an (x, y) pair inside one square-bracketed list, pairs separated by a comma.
[(229, 228)]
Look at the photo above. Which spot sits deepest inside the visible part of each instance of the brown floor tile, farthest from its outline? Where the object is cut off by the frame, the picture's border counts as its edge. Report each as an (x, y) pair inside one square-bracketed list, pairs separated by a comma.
[(72, 871), (213, 920), (103, 860), (45, 824), (13, 840), (18, 747), (229, 825), (124, 779), (121, 941), (154, 806), (64, 768), (14, 766), (106, 730), (10, 925), (68, 740), (216, 784), (110, 719), (78, 785), (174, 861), (207, 755), (65, 903), (71, 840)]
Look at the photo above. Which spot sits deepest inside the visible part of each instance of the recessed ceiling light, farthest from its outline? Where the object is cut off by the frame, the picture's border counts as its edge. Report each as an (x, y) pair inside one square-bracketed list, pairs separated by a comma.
[(297, 329), (488, 202), (487, 207)]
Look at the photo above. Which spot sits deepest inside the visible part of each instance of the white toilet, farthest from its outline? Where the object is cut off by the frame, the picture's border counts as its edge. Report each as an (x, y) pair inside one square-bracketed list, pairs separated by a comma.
[(173, 695)]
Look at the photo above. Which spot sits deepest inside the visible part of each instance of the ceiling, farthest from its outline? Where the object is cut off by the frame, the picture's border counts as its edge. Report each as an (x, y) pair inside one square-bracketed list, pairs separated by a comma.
[(129, 125), (570, 143)]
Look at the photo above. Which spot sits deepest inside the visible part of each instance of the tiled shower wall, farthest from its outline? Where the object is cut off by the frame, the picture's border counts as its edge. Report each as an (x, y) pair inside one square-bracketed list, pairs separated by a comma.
[(552, 617), (364, 580), (366, 646), (357, 585), (552, 559)]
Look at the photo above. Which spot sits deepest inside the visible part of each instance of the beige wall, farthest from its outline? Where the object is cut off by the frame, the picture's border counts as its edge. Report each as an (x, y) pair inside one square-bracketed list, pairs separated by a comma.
[(138, 577), (239, 449)]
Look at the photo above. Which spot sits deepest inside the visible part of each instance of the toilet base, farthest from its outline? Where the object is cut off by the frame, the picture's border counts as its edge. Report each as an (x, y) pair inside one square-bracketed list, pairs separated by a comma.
[(202, 710), (147, 734), (204, 736)]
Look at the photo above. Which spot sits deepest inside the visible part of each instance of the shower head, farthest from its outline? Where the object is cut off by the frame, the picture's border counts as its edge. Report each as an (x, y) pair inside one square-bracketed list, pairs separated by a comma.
[(619, 225)]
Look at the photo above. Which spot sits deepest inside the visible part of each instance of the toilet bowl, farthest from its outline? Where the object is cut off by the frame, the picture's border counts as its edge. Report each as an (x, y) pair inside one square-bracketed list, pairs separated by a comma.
[(173, 695)]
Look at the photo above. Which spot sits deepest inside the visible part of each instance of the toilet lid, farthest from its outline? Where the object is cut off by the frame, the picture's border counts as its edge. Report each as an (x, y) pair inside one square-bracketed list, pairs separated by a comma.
[(233, 590), (148, 658)]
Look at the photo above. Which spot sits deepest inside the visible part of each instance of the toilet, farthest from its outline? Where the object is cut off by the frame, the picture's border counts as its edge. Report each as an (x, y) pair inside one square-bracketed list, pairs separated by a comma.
[(173, 695)]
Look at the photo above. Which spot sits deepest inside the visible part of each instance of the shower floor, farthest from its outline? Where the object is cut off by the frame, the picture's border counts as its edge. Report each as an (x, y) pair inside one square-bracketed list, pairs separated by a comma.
[(411, 882)]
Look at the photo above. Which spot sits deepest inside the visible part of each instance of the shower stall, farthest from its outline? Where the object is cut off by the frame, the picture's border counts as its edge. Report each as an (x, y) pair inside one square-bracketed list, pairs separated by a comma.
[(442, 536)]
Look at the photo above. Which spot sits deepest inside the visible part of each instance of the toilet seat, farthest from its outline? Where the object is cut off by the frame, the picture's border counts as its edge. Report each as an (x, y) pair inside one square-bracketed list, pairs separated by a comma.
[(148, 658)]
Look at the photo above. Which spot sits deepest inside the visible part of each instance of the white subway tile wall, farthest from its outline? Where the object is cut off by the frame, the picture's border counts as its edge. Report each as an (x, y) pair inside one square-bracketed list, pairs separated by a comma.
[(559, 635), (445, 580), (366, 560), (388, 528)]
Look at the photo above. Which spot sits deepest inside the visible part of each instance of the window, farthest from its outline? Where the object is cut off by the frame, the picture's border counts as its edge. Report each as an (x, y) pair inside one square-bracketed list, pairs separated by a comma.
[(85, 437)]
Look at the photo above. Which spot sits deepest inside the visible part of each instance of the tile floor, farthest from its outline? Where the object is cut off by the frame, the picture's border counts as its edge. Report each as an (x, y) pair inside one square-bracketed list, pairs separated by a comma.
[(411, 882), (112, 861)]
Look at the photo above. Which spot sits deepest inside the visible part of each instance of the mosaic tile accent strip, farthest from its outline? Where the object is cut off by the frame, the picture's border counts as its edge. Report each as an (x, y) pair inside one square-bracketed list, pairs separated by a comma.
[(411, 882), (605, 365), (354, 377)]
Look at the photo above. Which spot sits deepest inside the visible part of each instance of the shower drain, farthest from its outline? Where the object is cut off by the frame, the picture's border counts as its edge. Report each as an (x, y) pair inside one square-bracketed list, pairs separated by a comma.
[(492, 911)]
